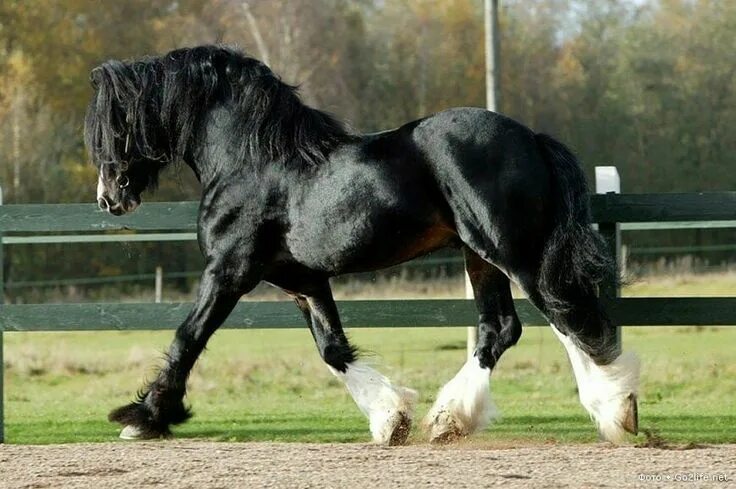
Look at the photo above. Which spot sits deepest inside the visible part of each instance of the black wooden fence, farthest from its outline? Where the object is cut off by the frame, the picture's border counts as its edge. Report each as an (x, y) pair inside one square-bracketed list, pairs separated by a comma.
[(26, 223)]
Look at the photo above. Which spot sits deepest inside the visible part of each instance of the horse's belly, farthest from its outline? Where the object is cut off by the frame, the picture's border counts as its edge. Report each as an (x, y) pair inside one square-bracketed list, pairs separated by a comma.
[(368, 242)]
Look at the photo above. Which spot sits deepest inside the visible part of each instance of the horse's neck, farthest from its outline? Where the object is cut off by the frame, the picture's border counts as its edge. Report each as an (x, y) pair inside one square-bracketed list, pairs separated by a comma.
[(210, 153)]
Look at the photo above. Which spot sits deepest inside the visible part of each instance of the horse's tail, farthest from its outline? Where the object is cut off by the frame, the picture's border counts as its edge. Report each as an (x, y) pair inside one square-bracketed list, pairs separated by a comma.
[(575, 256)]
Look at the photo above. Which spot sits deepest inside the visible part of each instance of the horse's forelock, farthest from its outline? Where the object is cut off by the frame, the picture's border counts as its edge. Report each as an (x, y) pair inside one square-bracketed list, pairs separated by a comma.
[(103, 126), (121, 121)]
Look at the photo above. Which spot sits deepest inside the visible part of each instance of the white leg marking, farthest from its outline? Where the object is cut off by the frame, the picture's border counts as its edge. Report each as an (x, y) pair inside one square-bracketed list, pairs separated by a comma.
[(130, 432), (388, 407), (100, 187), (604, 389), (463, 405)]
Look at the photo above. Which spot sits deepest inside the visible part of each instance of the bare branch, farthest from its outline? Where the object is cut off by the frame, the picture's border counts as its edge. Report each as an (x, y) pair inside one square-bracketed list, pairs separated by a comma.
[(262, 50)]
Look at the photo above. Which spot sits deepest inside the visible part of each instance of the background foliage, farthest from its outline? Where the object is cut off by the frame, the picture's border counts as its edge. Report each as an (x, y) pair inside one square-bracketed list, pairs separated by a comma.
[(645, 85)]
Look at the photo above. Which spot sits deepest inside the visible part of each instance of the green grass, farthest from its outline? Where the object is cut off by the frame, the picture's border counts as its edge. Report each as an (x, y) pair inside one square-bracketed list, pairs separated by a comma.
[(271, 385), (684, 285)]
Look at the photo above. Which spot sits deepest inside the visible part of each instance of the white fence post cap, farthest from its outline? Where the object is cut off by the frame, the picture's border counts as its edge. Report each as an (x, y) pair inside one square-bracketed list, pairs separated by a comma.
[(607, 180)]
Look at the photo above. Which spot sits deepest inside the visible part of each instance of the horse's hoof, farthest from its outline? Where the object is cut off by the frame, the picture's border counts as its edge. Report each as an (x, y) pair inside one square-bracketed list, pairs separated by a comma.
[(631, 415), (131, 432), (401, 431), (443, 429), (446, 437), (391, 429), (617, 418)]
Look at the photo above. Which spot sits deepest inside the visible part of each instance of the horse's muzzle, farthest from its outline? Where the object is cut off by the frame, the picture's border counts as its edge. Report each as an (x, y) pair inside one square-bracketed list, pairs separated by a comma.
[(118, 209)]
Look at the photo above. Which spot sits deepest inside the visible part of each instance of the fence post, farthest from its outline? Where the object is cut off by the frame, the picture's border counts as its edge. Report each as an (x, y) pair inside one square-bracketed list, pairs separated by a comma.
[(607, 180), (624, 260), (159, 284), (493, 102), (2, 360), (472, 340)]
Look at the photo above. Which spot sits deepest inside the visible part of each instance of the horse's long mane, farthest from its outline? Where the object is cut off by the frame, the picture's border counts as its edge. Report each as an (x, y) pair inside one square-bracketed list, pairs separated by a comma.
[(151, 108)]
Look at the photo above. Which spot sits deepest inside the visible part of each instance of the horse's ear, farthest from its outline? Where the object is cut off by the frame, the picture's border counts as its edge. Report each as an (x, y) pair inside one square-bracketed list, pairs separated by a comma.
[(95, 77)]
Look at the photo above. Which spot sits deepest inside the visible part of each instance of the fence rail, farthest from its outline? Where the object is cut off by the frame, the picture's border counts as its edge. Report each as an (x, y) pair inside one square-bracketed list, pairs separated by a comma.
[(420, 313), (633, 211), (178, 220)]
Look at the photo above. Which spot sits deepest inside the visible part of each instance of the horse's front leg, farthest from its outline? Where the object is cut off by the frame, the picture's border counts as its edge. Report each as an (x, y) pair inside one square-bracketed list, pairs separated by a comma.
[(160, 404), (387, 406)]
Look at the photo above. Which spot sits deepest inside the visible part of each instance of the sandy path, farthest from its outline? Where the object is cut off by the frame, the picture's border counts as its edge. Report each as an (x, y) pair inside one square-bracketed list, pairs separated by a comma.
[(185, 464)]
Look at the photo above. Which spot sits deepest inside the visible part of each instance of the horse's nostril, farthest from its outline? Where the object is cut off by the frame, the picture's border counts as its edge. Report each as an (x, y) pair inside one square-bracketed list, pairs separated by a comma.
[(103, 203)]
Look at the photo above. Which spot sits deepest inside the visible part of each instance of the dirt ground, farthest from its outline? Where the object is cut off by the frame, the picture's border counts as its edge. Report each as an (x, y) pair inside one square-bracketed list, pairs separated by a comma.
[(188, 464)]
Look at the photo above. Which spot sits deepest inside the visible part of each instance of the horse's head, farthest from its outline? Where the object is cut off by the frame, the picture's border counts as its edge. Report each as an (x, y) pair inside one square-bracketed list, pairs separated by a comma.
[(123, 133), (148, 112), (118, 190)]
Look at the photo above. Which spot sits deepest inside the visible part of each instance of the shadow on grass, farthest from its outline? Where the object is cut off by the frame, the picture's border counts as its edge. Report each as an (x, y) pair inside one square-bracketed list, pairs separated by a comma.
[(566, 429), (342, 429)]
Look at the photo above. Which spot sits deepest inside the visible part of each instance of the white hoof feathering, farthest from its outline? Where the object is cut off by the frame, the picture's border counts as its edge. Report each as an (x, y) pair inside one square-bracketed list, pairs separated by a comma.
[(607, 392), (388, 407), (130, 432), (463, 405)]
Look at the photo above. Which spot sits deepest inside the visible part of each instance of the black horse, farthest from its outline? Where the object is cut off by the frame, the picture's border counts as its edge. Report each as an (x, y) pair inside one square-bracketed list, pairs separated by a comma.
[(291, 197)]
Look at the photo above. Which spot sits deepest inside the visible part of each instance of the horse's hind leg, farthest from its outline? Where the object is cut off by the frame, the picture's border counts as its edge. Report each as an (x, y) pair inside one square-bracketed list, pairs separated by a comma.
[(388, 407), (464, 404), (607, 379)]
